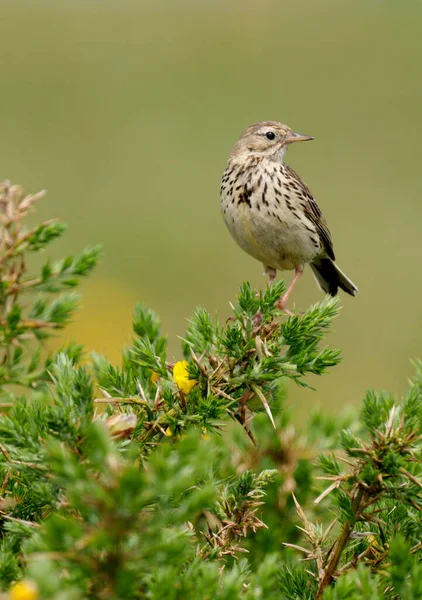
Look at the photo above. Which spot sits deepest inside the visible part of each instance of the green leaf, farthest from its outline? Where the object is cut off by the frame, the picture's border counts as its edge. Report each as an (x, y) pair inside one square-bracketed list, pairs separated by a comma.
[(44, 234)]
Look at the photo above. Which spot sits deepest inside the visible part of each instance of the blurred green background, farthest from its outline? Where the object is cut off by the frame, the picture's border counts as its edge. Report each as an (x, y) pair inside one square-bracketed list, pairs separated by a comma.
[(126, 112)]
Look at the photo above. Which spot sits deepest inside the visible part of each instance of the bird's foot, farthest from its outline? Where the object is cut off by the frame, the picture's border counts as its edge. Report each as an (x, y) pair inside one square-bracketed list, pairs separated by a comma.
[(281, 305), (282, 302)]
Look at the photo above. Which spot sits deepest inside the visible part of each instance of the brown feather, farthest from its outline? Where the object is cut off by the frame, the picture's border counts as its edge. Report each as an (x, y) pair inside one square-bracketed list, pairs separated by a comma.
[(313, 212)]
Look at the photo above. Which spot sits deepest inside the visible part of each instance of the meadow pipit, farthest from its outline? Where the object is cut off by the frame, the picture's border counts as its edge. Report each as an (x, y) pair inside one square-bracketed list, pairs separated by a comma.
[(271, 213)]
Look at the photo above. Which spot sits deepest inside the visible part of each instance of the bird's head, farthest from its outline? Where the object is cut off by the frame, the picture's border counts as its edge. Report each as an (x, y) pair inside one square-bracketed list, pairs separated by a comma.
[(268, 138)]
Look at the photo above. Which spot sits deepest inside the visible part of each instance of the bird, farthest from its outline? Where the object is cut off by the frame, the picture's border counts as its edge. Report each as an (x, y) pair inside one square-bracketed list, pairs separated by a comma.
[(271, 213)]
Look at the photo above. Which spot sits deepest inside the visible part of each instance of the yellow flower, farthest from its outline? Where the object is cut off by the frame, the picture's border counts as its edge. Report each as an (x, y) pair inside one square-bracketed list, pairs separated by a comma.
[(181, 377), (24, 590), (169, 432)]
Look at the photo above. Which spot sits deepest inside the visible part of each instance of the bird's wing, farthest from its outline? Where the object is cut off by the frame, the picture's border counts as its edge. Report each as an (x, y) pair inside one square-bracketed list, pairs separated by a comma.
[(312, 211)]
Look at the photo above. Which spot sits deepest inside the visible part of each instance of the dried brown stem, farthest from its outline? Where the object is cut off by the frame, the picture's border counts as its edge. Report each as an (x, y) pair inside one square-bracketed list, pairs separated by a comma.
[(21, 240), (340, 545)]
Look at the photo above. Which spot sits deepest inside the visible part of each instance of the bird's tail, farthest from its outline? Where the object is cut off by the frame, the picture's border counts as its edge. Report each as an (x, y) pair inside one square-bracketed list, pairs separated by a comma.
[(330, 277)]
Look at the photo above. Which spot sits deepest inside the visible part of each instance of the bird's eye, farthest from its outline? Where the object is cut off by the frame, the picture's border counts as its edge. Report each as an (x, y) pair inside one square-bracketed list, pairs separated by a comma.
[(270, 135)]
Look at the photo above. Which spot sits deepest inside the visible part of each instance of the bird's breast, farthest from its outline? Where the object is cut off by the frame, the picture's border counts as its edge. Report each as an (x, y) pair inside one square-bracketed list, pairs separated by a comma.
[(266, 219)]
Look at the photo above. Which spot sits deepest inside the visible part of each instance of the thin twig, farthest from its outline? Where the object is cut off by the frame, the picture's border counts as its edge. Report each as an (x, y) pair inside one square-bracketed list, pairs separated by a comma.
[(340, 545), (22, 521), (23, 239), (412, 478)]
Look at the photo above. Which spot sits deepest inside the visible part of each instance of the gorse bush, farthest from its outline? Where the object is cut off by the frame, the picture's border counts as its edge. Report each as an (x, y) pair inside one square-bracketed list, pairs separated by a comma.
[(159, 480)]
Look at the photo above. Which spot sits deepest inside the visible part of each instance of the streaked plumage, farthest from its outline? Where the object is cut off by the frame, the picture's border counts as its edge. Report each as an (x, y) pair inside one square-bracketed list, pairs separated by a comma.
[(271, 213)]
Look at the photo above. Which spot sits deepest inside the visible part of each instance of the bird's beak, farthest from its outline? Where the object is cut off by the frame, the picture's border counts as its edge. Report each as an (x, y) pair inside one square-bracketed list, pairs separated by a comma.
[(297, 137)]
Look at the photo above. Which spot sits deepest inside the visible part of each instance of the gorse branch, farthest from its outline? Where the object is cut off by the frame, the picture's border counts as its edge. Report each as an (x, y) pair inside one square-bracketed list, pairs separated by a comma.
[(234, 369), (140, 480), (384, 469), (26, 320)]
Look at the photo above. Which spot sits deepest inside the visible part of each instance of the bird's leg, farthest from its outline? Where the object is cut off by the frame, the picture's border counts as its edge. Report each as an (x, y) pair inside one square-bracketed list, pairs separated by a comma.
[(281, 302), (271, 272)]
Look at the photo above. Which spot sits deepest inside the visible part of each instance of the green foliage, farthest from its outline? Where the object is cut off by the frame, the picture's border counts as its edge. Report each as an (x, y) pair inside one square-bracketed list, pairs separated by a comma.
[(159, 480), (26, 318)]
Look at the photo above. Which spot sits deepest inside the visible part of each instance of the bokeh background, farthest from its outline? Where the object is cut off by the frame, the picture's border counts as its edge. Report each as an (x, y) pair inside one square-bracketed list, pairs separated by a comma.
[(126, 112)]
